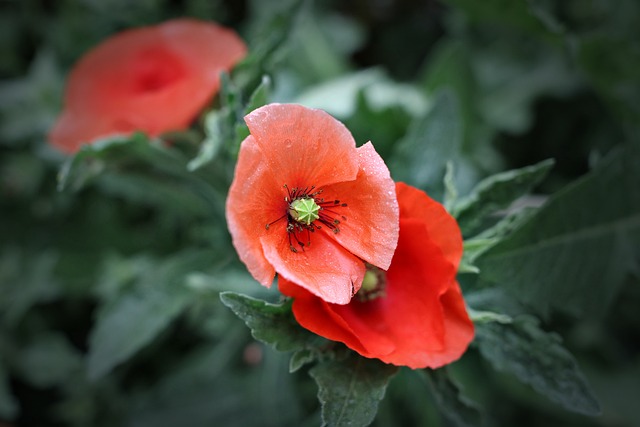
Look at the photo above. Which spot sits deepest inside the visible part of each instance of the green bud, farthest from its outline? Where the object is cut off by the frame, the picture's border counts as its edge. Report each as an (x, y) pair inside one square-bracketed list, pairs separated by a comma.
[(304, 210), (370, 281)]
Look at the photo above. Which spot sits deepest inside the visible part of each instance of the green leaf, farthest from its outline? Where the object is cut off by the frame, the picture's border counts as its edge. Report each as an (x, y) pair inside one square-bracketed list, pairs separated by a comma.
[(267, 45), (213, 140), (455, 407), (8, 403), (260, 95), (145, 172), (136, 317), (610, 65), (270, 323), (586, 237), (301, 358), (537, 358), (515, 14), (350, 389), (420, 158), (26, 279), (49, 361), (497, 192)]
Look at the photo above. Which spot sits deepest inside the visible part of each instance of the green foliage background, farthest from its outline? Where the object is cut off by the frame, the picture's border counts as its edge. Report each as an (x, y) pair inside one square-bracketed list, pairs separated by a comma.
[(112, 262)]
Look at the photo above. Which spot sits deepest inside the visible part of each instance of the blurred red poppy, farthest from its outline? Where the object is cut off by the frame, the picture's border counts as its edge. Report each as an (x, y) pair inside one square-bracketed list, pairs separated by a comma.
[(414, 314), (153, 79), (309, 205)]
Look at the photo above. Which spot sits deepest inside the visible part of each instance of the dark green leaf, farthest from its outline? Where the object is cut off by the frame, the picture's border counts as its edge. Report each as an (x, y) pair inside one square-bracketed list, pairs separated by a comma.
[(270, 323), (497, 192), (350, 389), (260, 95), (514, 14), (301, 358), (450, 66), (26, 279), (142, 171), (455, 407), (50, 361), (586, 237), (420, 158), (610, 65), (135, 318), (537, 358), (267, 46), (8, 403)]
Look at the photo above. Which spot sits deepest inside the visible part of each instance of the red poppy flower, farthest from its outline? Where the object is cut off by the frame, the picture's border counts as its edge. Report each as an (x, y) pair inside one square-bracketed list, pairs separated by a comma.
[(154, 79), (412, 315), (309, 205)]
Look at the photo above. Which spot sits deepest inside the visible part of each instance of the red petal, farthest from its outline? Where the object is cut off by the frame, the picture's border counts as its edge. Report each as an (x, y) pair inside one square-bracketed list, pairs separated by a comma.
[(153, 79), (459, 329), (255, 200), (323, 319), (442, 227), (306, 146), (75, 128), (324, 268), (420, 322), (370, 230)]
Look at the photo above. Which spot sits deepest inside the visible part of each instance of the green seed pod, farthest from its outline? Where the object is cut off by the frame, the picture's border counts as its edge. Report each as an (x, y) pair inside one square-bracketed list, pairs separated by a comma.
[(304, 210)]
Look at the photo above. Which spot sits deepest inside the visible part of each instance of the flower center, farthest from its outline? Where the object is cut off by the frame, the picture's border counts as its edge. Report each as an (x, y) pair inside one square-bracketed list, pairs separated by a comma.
[(304, 210), (307, 212), (373, 285)]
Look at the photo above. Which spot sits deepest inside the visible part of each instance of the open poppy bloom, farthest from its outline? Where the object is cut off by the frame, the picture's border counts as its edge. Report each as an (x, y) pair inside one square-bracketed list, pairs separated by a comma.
[(414, 314), (153, 79), (309, 205)]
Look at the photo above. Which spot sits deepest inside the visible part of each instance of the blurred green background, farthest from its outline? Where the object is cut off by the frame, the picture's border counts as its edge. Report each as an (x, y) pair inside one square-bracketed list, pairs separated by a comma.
[(94, 330)]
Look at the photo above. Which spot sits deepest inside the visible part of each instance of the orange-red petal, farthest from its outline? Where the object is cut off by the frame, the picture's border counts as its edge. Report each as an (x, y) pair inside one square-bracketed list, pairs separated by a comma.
[(255, 199), (306, 146), (370, 229), (153, 79), (324, 268)]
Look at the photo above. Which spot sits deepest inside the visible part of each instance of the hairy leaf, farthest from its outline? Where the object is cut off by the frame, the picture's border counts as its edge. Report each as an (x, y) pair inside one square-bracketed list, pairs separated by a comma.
[(433, 140), (350, 389), (136, 317), (455, 407), (586, 237), (537, 358), (270, 323), (497, 192)]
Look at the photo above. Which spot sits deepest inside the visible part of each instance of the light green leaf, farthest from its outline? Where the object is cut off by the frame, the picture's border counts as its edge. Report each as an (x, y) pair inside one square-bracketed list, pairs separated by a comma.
[(450, 191), (536, 358), (213, 140), (270, 323), (497, 192), (587, 237), (350, 389), (134, 319), (339, 96), (455, 407)]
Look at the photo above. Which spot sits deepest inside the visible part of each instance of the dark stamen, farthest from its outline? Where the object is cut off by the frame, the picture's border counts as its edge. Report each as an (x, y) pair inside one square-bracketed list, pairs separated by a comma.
[(327, 216)]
